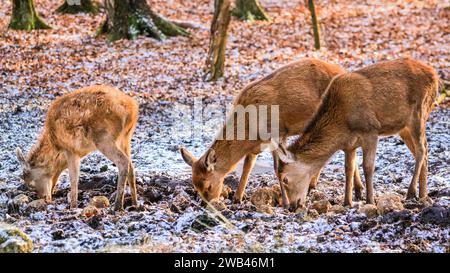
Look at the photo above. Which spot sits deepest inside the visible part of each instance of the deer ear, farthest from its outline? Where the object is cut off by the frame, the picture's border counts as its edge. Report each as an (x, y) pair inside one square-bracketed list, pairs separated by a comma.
[(277, 165), (21, 158), (210, 160), (284, 156), (187, 156)]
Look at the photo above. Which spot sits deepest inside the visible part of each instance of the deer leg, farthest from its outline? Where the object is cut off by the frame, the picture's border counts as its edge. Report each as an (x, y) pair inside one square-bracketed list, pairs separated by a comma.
[(417, 139), (108, 147), (350, 159), (314, 180), (132, 182), (249, 163), (55, 180), (407, 138), (131, 178), (358, 185), (369, 153), (423, 191), (73, 163)]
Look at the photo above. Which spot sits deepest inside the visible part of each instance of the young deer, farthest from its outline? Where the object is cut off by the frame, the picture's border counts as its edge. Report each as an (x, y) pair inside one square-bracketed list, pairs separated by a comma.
[(296, 88), (97, 117), (380, 100)]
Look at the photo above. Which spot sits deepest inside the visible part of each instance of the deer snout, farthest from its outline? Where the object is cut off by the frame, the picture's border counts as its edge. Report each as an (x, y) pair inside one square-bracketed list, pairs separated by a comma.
[(205, 196), (44, 191), (293, 207), (208, 197)]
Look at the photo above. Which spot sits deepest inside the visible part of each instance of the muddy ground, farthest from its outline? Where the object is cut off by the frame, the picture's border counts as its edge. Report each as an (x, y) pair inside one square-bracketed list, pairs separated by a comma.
[(163, 76)]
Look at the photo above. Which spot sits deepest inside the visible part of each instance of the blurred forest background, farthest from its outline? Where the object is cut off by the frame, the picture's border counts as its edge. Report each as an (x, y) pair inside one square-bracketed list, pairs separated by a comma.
[(68, 51)]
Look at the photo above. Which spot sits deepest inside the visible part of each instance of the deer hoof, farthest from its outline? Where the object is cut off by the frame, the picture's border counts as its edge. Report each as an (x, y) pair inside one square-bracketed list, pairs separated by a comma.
[(237, 200), (118, 207), (348, 203), (411, 195)]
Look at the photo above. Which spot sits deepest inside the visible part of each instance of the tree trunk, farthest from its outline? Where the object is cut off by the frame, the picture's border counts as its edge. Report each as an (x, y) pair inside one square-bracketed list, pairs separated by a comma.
[(250, 10), (315, 24), (78, 6), (215, 61), (126, 19), (25, 17)]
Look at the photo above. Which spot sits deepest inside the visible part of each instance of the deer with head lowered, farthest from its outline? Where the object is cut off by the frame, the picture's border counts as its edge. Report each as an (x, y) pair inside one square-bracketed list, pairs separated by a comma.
[(392, 97), (93, 118), (296, 88)]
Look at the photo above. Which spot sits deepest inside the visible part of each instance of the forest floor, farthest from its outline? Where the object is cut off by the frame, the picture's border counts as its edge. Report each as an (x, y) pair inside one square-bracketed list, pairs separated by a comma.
[(166, 77)]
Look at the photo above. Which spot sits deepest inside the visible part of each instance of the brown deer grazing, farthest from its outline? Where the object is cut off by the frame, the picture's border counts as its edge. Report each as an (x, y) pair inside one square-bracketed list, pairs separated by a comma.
[(296, 88), (97, 117), (380, 100)]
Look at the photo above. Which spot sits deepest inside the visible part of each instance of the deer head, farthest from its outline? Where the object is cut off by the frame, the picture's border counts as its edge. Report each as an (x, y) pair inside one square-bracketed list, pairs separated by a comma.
[(35, 176), (205, 178), (294, 177)]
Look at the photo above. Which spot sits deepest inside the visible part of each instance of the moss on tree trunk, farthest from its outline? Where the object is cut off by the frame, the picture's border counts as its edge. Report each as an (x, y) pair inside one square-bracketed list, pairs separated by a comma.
[(126, 19), (250, 10), (25, 17), (78, 6), (215, 62)]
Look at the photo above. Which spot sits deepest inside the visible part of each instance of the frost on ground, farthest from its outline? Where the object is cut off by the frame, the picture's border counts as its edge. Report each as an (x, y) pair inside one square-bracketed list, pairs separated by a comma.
[(36, 68), (172, 219)]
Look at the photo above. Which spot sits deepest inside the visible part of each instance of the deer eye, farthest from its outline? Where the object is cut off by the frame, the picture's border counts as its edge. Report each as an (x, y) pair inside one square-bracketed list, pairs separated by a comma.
[(285, 181), (210, 187), (25, 176)]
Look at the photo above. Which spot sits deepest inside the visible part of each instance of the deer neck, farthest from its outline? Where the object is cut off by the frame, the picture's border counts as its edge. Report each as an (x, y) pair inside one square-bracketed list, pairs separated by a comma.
[(316, 149), (229, 153), (46, 153)]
